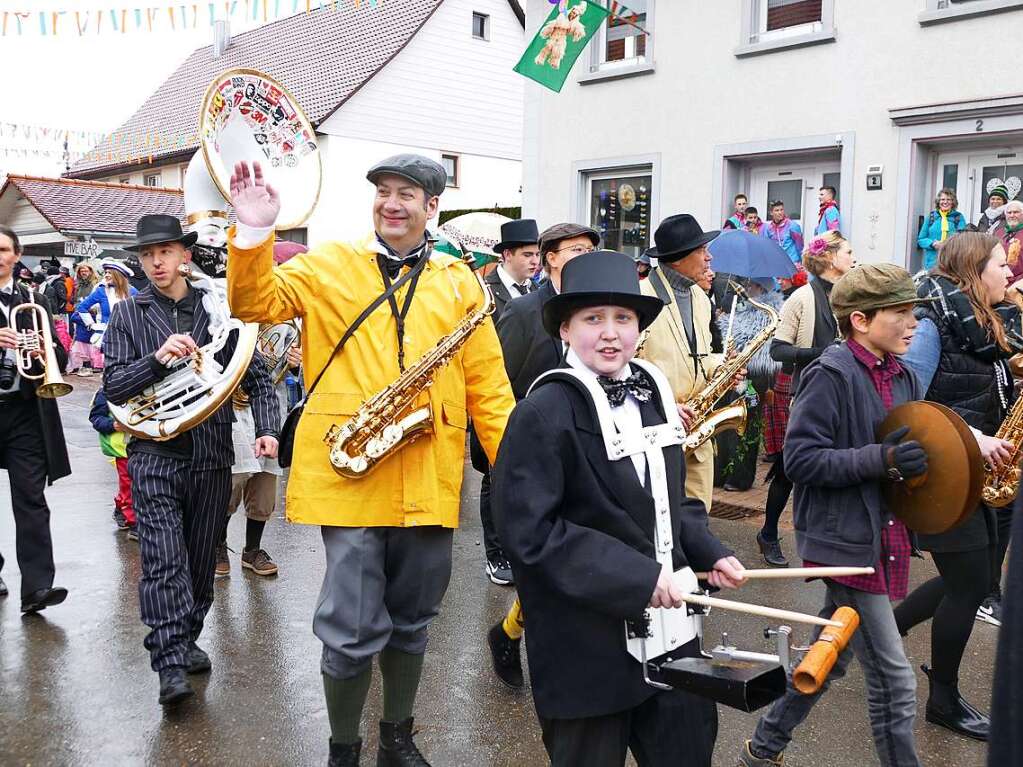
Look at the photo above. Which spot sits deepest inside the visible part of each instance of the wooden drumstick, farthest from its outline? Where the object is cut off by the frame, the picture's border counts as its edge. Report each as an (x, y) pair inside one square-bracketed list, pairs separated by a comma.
[(766, 612), (799, 572)]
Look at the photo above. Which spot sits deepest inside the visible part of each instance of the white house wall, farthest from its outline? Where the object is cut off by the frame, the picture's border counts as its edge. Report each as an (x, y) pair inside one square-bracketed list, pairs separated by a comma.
[(446, 90), (701, 96), (344, 210)]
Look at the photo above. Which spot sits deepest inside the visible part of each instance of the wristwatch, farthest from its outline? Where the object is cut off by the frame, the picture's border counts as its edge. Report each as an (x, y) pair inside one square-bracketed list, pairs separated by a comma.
[(894, 474)]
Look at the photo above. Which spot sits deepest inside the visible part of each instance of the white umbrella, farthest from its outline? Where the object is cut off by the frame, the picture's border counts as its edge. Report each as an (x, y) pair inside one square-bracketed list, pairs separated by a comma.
[(477, 233)]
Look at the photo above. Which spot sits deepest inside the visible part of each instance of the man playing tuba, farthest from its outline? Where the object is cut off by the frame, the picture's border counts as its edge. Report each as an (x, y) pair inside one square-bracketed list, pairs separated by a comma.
[(388, 534)]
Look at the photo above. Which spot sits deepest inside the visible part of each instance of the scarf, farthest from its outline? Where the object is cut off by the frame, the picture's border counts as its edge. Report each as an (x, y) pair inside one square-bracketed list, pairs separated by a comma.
[(994, 213), (824, 209)]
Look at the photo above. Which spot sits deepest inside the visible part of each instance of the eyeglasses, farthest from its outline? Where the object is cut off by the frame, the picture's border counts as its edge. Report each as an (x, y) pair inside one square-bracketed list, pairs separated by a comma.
[(577, 250)]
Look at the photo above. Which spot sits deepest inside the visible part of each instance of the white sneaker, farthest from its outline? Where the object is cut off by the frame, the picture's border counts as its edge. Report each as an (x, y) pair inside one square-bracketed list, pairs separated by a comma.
[(990, 612)]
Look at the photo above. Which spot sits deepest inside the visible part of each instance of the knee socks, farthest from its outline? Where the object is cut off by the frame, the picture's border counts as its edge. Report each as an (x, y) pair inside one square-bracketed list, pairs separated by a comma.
[(345, 700), (401, 672), (253, 534)]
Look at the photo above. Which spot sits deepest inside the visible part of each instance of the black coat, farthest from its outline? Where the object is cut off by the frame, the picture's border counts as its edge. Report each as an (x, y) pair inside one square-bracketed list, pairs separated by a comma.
[(57, 463), (579, 532), (528, 349), (501, 295)]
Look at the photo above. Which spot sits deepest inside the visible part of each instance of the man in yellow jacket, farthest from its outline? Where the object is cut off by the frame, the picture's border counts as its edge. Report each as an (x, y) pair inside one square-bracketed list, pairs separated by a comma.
[(679, 340), (388, 534)]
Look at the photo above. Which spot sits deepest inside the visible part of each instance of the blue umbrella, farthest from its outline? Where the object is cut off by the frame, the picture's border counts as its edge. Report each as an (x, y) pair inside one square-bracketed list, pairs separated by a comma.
[(749, 255)]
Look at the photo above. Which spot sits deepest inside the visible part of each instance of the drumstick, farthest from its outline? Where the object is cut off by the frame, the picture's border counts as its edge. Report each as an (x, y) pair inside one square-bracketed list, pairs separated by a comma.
[(766, 612), (799, 572)]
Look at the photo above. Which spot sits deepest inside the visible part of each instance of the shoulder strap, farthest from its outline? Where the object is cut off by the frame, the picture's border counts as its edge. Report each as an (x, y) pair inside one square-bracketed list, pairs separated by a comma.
[(657, 280), (391, 290)]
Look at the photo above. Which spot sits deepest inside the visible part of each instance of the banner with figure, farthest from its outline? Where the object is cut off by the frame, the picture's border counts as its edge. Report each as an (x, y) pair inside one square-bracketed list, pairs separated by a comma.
[(562, 37)]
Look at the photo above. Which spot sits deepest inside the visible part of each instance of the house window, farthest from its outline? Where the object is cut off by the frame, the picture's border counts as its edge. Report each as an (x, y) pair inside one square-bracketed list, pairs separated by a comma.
[(480, 26), (622, 40), (152, 179), (949, 10), (450, 163), (773, 24), (300, 236), (619, 208), (124, 180)]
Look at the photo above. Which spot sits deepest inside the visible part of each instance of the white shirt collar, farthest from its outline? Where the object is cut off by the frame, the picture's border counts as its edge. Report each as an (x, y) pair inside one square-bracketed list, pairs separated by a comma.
[(8, 287), (573, 359), (509, 283)]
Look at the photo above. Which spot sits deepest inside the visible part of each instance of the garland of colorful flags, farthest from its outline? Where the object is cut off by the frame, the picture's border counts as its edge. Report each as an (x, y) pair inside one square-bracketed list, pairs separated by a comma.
[(174, 17)]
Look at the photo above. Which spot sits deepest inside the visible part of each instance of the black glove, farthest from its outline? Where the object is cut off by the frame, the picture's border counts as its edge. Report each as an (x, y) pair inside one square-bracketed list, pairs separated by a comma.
[(908, 458)]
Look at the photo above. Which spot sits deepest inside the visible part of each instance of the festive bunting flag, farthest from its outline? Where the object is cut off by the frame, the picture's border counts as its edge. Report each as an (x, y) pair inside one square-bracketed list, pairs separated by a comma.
[(562, 37)]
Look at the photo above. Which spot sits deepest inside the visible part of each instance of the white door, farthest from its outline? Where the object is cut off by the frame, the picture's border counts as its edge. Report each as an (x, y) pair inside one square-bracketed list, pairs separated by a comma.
[(970, 174), (796, 186)]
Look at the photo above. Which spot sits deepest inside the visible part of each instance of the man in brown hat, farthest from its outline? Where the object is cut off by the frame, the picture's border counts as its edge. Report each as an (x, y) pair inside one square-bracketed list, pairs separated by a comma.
[(679, 340)]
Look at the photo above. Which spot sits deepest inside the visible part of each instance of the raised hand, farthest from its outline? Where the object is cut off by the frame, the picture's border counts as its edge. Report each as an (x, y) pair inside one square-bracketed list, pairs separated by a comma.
[(255, 202)]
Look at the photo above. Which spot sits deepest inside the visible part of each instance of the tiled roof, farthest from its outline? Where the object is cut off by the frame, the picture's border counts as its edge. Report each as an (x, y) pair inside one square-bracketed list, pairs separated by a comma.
[(93, 205), (322, 57)]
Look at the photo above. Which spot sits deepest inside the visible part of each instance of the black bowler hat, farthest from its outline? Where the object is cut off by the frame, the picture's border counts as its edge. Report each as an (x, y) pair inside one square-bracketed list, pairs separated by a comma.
[(521, 231), (154, 229), (678, 236), (599, 278)]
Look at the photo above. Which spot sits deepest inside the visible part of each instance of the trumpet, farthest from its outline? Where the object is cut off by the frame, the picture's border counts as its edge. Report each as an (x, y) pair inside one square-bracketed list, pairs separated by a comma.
[(34, 342)]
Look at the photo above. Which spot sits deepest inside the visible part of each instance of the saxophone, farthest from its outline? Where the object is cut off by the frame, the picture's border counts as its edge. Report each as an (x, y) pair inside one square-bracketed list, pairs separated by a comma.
[(1001, 485), (390, 420), (710, 422)]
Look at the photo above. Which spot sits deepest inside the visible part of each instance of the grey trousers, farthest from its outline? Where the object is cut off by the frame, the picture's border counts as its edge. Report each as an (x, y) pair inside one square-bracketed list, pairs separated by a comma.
[(891, 684), (382, 588)]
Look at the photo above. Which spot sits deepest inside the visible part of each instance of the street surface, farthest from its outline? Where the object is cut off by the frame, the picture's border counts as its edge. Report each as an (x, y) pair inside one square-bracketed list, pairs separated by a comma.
[(76, 688)]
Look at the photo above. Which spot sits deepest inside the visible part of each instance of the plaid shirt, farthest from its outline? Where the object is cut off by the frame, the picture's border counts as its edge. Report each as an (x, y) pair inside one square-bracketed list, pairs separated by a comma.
[(891, 574)]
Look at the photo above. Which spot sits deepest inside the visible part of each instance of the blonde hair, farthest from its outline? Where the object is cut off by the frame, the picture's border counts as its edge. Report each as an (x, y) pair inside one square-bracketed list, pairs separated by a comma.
[(819, 254), (121, 286), (962, 259)]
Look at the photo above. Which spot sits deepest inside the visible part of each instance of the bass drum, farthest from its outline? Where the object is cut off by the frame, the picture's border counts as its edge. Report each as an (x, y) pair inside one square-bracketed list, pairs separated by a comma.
[(950, 490)]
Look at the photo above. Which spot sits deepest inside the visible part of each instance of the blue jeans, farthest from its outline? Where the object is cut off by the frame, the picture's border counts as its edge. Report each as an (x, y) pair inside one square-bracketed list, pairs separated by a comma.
[(891, 684)]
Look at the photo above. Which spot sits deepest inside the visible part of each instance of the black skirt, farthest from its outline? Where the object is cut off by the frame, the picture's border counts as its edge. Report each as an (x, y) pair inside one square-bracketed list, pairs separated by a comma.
[(977, 531)]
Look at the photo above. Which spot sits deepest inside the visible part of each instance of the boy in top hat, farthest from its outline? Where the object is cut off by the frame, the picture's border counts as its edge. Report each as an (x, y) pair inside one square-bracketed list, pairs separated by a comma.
[(181, 486), (595, 529), (513, 278), (837, 465), (680, 340)]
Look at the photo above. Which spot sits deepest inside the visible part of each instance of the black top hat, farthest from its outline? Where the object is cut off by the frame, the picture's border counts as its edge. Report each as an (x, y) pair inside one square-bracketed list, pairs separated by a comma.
[(678, 236), (155, 229), (521, 231), (599, 278)]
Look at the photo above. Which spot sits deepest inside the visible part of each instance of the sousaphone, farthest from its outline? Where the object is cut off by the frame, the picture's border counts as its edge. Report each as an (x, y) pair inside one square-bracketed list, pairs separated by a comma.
[(949, 491)]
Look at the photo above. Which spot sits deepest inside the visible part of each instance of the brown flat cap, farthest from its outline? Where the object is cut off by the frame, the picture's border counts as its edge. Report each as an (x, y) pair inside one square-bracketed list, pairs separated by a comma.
[(551, 236), (873, 286)]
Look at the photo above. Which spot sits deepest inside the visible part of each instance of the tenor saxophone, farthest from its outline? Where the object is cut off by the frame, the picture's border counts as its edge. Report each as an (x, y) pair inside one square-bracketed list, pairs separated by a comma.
[(390, 420), (708, 422), (1001, 484)]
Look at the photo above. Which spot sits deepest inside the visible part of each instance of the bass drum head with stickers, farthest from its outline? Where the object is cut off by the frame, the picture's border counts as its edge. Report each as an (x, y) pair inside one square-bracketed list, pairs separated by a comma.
[(248, 116)]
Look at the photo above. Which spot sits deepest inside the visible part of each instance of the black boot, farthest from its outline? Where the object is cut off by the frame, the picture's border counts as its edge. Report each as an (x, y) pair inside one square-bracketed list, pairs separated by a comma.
[(396, 746), (174, 687), (771, 550), (345, 754), (946, 708), (506, 654)]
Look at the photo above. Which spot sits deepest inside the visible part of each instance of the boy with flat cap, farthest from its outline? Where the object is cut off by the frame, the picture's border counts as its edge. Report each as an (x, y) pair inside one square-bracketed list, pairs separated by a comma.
[(180, 486), (837, 467), (387, 535), (589, 500)]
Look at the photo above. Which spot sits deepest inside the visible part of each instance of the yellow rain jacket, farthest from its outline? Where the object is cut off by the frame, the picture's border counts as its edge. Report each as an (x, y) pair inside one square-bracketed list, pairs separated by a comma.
[(329, 287)]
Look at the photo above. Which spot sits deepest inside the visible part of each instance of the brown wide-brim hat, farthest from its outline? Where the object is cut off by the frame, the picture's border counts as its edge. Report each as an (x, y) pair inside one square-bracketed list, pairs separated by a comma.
[(552, 235), (874, 286)]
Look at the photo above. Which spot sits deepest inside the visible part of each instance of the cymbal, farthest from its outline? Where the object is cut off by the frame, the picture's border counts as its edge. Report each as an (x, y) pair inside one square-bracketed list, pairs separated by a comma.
[(950, 490)]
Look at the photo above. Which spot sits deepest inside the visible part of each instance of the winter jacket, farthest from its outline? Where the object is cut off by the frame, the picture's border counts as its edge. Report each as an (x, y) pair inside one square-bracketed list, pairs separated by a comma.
[(56, 293), (789, 237), (1013, 242), (112, 443), (835, 460), (930, 233)]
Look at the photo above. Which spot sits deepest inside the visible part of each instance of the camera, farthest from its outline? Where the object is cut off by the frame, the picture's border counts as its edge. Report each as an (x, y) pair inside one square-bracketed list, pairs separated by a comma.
[(8, 370)]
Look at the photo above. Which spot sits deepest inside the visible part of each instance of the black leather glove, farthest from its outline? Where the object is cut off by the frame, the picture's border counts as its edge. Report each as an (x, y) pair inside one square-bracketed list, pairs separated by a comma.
[(908, 459)]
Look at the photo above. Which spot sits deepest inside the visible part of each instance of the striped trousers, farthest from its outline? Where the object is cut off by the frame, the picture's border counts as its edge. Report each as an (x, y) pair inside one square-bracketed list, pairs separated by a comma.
[(180, 515)]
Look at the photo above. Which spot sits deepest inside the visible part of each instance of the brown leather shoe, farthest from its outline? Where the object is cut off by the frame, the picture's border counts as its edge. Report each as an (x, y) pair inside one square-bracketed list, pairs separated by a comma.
[(259, 562)]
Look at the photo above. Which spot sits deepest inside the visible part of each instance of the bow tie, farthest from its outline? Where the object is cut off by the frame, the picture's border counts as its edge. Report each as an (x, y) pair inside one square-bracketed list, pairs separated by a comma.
[(636, 385), (523, 289), (6, 298), (394, 265)]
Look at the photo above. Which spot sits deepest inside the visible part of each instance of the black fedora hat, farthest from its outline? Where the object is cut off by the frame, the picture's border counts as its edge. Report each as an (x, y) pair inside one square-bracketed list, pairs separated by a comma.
[(678, 236), (154, 229), (521, 231), (599, 278)]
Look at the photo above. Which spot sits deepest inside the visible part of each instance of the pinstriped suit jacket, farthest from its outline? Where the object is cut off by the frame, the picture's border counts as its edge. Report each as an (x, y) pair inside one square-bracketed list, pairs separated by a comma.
[(137, 329)]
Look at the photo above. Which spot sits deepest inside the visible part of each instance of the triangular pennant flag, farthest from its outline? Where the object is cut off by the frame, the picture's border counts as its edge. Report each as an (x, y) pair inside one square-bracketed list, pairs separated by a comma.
[(558, 43)]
